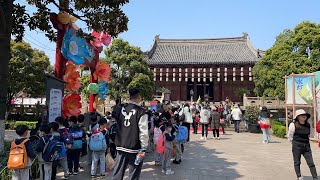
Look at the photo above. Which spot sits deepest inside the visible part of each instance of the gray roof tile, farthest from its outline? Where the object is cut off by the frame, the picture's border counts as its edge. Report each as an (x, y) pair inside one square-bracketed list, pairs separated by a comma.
[(202, 51)]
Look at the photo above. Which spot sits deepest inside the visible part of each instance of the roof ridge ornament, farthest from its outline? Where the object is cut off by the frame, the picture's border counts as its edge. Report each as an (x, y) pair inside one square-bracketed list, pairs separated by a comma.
[(245, 34), (157, 37)]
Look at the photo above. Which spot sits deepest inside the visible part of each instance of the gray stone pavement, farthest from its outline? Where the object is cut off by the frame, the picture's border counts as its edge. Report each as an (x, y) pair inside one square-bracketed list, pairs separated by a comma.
[(235, 156)]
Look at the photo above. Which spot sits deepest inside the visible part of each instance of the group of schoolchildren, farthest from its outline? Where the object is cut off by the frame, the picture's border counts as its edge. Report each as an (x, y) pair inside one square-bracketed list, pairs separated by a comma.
[(62, 144), (168, 136)]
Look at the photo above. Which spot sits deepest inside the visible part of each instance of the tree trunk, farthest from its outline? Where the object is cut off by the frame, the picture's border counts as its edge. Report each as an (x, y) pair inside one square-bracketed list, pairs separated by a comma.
[(6, 9)]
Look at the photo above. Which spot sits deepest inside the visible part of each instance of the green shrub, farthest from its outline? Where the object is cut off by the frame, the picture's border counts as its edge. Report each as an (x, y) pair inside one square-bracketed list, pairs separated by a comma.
[(12, 125), (279, 129), (252, 114)]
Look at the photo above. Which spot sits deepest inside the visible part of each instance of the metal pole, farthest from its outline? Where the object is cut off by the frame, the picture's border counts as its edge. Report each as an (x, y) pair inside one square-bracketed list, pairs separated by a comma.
[(314, 106)]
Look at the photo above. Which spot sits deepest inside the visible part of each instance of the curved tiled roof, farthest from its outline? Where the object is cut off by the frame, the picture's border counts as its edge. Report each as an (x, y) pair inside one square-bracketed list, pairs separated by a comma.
[(236, 50)]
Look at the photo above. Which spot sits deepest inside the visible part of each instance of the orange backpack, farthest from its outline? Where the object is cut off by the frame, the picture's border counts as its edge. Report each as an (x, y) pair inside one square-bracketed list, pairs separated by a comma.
[(18, 157)]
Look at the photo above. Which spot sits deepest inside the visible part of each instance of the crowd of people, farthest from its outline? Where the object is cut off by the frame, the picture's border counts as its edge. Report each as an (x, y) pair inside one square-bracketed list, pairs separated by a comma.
[(120, 139)]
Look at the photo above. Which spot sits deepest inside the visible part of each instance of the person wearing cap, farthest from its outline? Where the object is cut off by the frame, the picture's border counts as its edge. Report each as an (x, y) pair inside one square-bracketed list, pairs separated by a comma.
[(264, 121), (299, 132), (236, 116)]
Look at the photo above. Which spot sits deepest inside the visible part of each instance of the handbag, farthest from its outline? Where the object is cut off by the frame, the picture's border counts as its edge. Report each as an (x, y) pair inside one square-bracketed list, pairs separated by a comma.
[(109, 162), (221, 121)]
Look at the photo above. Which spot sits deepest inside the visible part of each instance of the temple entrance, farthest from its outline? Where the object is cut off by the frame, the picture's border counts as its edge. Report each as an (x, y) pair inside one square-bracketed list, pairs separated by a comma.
[(200, 89), (189, 88), (209, 89)]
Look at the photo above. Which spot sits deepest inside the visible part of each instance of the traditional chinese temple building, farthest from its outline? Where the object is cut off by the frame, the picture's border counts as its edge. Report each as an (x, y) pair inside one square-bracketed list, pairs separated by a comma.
[(217, 67)]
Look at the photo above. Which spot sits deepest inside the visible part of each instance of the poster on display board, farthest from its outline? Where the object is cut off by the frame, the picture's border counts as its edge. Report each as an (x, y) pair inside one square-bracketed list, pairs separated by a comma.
[(317, 84), (55, 104), (302, 90)]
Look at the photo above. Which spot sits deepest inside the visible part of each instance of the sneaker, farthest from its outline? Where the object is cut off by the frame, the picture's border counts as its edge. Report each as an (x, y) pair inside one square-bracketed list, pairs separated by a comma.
[(300, 178), (81, 169), (102, 175), (66, 177), (75, 173), (205, 138), (202, 138), (93, 176), (218, 138), (175, 162), (169, 172), (70, 173), (163, 171)]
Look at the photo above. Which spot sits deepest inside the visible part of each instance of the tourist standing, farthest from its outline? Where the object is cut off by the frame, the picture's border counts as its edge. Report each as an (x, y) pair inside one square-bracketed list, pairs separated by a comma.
[(204, 120), (236, 116), (131, 138), (215, 122), (264, 121), (187, 120), (299, 132)]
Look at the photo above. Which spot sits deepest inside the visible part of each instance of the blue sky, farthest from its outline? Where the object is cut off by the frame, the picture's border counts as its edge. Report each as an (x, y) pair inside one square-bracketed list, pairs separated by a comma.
[(262, 20)]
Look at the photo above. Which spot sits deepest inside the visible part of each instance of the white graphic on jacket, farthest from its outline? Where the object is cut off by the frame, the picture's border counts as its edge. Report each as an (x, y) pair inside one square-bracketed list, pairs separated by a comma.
[(127, 116)]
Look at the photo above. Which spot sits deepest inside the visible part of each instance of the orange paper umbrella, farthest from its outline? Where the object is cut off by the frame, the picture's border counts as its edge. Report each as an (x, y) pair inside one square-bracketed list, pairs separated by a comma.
[(103, 71), (72, 77), (71, 105)]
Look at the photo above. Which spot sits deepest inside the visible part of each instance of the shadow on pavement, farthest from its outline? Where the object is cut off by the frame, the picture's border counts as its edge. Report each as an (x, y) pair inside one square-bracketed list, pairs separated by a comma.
[(198, 163)]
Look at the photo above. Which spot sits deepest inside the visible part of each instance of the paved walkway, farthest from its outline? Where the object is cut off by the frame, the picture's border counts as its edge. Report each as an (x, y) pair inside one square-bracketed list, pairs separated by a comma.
[(236, 156)]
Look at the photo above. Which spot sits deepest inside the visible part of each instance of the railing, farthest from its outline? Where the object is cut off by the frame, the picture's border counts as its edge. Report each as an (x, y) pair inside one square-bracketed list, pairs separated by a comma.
[(5, 173), (260, 101)]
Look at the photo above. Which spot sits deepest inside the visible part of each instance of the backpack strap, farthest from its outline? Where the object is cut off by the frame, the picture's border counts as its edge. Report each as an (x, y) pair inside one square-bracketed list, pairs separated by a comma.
[(46, 144), (14, 145)]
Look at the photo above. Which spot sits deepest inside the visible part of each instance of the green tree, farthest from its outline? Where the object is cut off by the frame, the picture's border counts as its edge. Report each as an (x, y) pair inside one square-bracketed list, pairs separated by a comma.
[(129, 69), (27, 70), (241, 91), (289, 54), (98, 15)]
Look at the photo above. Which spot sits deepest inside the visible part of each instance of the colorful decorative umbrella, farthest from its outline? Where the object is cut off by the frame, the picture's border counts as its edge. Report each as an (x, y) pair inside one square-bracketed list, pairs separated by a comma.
[(72, 77), (76, 49), (98, 104), (71, 105), (93, 88), (99, 39), (103, 90), (103, 72)]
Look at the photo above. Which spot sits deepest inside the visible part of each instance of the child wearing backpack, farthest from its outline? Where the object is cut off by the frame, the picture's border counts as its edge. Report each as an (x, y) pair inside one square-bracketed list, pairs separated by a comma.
[(156, 134), (21, 155), (94, 125), (84, 150), (73, 154), (98, 143), (175, 129), (45, 166), (63, 159), (168, 139)]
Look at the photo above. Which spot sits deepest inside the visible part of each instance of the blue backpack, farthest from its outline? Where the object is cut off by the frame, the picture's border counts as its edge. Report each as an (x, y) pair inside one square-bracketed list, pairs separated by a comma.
[(97, 141), (53, 150), (182, 134), (76, 134)]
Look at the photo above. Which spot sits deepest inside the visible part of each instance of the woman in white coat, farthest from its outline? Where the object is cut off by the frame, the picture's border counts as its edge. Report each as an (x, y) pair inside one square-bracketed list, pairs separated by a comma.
[(204, 120), (186, 112)]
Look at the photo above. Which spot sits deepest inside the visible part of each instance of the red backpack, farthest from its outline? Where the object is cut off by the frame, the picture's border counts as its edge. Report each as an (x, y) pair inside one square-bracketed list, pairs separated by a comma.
[(318, 127), (161, 147)]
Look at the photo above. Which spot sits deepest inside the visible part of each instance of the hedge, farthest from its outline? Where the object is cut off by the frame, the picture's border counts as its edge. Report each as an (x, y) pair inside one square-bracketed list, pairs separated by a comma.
[(12, 125), (279, 129)]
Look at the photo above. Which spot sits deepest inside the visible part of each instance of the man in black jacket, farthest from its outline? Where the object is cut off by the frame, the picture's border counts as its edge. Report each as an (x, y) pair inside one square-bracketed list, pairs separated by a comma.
[(131, 137)]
